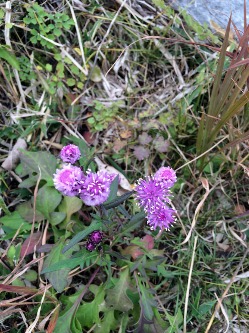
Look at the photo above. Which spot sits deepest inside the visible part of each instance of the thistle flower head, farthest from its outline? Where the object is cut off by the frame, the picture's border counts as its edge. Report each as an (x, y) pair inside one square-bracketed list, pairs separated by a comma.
[(96, 237), (90, 246), (70, 154), (150, 193), (68, 179), (96, 188), (163, 217), (166, 175)]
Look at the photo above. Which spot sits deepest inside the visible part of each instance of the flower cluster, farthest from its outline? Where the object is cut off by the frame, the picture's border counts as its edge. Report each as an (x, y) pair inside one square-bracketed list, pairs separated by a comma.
[(94, 240), (93, 188), (153, 195)]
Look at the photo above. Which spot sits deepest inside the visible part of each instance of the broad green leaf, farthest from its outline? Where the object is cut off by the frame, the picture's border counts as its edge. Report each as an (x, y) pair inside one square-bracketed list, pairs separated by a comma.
[(205, 308), (26, 210), (15, 221), (56, 218), (8, 56), (95, 225), (47, 200), (58, 279), (117, 296), (37, 164), (69, 206)]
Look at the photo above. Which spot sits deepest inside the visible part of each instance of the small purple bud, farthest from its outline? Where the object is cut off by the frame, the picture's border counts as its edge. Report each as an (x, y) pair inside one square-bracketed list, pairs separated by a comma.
[(70, 154), (90, 246), (96, 237)]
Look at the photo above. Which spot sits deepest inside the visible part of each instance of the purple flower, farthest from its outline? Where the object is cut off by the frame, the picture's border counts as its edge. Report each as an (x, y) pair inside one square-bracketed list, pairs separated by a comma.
[(90, 246), (70, 154), (68, 180), (153, 195), (150, 193), (96, 187), (166, 175), (96, 237), (163, 217)]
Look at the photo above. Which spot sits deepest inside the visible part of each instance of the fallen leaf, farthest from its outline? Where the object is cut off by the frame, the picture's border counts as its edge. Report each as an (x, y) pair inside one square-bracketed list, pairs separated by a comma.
[(118, 145), (124, 184), (125, 134), (14, 155)]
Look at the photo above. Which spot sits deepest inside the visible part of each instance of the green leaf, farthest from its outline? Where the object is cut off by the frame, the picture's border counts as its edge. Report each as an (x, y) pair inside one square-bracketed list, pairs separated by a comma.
[(57, 217), (69, 206), (60, 70), (71, 82), (73, 262), (26, 210), (107, 324), (175, 321), (9, 57), (205, 308), (88, 313), (66, 321), (58, 279), (119, 200), (147, 302), (15, 221), (47, 200), (113, 190), (95, 225), (37, 164), (117, 296)]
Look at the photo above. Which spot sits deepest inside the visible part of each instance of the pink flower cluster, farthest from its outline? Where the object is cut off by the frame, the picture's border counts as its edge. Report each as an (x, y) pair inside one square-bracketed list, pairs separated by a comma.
[(153, 195), (93, 188)]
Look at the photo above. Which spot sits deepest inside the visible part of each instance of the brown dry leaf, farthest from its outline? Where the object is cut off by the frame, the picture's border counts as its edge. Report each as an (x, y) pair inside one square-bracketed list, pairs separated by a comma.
[(125, 134), (239, 209), (118, 145), (124, 184), (29, 245), (221, 31)]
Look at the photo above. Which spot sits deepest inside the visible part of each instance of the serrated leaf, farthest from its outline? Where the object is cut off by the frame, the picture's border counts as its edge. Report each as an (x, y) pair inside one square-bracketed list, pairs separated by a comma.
[(107, 324), (144, 138), (47, 200), (95, 225), (141, 152), (88, 313), (161, 145), (147, 302), (117, 296), (37, 164), (59, 278)]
